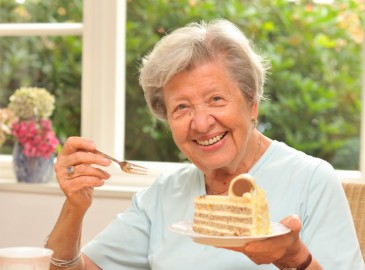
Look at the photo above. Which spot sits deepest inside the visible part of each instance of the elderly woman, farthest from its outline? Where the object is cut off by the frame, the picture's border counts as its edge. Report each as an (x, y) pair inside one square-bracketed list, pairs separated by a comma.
[(206, 82)]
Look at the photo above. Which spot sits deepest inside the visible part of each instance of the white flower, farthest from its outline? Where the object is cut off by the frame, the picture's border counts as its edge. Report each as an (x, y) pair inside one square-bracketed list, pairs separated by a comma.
[(32, 102)]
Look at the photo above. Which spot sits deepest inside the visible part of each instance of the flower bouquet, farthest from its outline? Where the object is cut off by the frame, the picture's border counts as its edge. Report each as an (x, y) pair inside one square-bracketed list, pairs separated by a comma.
[(7, 118), (36, 141)]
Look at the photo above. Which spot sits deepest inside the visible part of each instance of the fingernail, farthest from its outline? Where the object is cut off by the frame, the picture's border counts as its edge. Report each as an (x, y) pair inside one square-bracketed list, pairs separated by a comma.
[(106, 161)]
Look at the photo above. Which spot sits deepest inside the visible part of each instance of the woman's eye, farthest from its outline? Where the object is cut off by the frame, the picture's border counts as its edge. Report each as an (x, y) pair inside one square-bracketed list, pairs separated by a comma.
[(215, 99), (181, 107), (179, 111)]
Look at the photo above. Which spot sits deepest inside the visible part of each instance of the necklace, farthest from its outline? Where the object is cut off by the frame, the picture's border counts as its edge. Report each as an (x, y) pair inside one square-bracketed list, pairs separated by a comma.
[(212, 192)]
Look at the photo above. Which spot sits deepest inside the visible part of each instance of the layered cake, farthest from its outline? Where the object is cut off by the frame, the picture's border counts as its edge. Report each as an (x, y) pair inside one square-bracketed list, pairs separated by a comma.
[(243, 212)]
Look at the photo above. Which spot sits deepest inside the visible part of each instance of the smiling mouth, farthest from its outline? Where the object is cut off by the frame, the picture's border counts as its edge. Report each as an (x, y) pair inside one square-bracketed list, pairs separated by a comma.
[(212, 140)]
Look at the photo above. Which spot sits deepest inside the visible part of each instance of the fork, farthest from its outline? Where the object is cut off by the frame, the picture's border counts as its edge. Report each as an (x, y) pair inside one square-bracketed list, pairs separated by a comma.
[(125, 165)]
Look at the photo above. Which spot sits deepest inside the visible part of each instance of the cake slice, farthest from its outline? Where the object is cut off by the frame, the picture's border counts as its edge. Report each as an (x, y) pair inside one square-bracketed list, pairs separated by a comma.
[(243, 212)]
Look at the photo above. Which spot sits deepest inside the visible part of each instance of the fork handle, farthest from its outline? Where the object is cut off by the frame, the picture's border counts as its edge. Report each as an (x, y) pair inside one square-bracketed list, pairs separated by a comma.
[(107, 156)]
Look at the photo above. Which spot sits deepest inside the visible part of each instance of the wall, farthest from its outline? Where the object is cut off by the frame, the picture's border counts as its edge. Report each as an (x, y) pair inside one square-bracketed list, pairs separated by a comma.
[(26, 218)]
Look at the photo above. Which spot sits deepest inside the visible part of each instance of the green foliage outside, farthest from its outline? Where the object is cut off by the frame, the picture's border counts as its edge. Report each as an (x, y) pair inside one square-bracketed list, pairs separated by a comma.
[(315, 83), (314, 87), (53, 63)]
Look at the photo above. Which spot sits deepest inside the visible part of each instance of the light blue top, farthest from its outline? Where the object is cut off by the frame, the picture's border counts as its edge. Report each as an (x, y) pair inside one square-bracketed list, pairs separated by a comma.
[(295, 183)]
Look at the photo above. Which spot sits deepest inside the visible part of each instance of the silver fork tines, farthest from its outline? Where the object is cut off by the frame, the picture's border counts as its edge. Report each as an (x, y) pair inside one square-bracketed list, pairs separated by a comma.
[(125, 165)]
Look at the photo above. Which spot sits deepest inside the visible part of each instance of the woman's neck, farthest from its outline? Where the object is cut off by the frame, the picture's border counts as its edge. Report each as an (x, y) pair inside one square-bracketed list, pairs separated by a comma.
[(217, 182)]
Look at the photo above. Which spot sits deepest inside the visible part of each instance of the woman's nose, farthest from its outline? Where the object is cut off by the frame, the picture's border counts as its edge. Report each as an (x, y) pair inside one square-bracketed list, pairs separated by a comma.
[(202, 119)]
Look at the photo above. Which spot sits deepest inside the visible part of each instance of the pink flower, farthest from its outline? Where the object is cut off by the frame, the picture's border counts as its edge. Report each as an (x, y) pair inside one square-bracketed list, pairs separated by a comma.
[(36, 137)]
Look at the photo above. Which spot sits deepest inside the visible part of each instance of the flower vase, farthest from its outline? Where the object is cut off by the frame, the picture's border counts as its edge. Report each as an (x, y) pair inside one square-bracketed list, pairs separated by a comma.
[(31, 169)]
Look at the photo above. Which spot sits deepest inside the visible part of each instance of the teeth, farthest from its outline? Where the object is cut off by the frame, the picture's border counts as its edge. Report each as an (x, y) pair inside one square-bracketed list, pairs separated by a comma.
[(211, 141)]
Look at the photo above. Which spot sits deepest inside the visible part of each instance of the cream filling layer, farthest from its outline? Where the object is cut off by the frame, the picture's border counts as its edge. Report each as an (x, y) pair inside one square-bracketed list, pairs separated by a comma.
[(222, 222), (221, 213), (249, 227)]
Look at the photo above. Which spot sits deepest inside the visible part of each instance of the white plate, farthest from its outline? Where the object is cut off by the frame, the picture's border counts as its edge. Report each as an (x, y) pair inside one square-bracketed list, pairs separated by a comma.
[(185, 228)]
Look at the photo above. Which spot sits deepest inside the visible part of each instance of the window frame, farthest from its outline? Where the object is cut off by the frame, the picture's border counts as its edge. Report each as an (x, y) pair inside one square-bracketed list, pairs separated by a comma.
[(103, 87)]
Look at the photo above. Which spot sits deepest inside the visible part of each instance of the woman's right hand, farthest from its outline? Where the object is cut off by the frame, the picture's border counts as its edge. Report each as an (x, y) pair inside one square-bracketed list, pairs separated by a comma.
[(78, 186)]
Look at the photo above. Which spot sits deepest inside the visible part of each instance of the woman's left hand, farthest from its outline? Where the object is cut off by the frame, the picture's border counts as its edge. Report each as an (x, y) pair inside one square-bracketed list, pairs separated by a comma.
[(283, 251)]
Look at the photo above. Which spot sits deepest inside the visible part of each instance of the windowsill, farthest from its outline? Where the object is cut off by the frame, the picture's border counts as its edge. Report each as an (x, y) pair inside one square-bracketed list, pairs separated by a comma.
[(107, 191), (120, 185)]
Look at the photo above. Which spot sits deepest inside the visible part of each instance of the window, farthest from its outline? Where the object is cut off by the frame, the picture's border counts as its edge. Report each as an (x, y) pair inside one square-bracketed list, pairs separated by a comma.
[(37, 53), (315, 85), (102, 75), (104, 111)]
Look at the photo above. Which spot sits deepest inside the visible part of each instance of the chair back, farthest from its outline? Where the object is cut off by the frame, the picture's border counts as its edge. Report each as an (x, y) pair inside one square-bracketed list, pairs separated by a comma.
[(355, 193)]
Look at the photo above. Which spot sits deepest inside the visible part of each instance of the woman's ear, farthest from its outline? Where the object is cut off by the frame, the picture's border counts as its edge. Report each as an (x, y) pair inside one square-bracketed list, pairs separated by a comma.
[(254, 110)]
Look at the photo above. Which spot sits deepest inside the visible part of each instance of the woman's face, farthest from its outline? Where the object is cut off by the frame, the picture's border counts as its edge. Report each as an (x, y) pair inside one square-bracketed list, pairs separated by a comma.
[(210, 120)]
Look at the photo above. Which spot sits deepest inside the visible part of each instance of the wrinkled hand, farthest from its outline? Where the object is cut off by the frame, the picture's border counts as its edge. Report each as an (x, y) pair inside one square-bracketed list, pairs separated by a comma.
[(284, 250), (78, 186)]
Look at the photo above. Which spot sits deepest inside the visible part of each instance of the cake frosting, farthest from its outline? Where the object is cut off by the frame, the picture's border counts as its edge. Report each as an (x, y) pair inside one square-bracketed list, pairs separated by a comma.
[(243, 212)]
